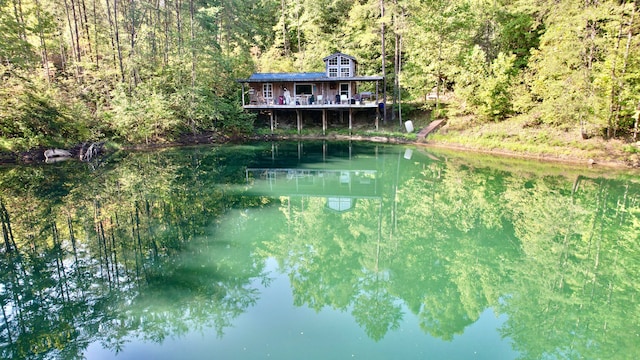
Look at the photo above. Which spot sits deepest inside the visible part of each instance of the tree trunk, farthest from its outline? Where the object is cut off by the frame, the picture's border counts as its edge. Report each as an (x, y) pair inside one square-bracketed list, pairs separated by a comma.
[(396, 64), (95, 33), (84, 20), (285, 38), (73, 40), (165, 57), (10, 244), (43, 45), (117, 37), (75, 30), (179, 25), (613, 103), (624, 68), (193, 64), (22, 32), (384, 63), (132, 44)]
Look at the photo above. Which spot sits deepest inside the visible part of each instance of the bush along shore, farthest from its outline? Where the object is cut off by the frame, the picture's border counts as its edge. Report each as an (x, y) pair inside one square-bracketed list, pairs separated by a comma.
[(508, 138)]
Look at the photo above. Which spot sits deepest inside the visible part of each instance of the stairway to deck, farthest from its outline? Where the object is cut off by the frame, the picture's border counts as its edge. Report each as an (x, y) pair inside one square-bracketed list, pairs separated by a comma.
[(431, 127)]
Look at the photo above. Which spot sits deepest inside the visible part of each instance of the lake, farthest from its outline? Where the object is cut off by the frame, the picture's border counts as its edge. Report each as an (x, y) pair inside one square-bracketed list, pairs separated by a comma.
[(318, 250)]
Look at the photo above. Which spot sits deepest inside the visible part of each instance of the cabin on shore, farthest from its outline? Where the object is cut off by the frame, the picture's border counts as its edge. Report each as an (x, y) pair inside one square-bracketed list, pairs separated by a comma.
[(337, 90)]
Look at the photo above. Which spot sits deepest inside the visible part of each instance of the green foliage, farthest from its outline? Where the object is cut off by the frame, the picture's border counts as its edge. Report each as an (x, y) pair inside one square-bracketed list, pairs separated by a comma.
[(486, 90), (577, 63), (495, 92), (144, 116), (35, 114), (518, 35)]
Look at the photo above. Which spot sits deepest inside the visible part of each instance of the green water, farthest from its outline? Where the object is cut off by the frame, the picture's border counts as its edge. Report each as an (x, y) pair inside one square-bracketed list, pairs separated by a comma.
[(318, 251)]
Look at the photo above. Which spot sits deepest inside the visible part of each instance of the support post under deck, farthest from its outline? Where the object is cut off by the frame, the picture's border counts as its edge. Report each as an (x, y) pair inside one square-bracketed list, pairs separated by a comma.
[(324, 121), (271, 121)]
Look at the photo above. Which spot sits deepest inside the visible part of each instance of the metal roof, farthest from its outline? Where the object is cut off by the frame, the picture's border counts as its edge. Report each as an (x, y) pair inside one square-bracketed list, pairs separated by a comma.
[(262, 77), (302, 77)]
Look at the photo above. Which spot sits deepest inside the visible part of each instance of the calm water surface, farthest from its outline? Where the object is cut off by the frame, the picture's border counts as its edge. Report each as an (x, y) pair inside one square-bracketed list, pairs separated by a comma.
[(318, 251)]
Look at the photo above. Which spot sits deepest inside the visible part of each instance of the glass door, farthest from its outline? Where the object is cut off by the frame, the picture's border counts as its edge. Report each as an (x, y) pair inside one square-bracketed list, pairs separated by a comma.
[(267, 92)]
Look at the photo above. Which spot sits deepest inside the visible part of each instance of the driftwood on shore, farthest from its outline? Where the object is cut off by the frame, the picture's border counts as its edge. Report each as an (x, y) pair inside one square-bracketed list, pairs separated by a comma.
[(86, 152), (54, 155), (89, 152)]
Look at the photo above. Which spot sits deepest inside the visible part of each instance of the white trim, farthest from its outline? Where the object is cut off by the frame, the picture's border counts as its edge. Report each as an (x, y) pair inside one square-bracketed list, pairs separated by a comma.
[(267, 89)]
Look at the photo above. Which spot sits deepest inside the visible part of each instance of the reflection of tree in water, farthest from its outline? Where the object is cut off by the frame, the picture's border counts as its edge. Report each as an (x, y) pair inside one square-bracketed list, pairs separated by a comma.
[(458, 240), (444, 241), (375, 309), (92, 263)]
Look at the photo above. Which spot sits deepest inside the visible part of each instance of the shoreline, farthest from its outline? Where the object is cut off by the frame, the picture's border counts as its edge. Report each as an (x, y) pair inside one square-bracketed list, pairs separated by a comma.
[(37, 155)]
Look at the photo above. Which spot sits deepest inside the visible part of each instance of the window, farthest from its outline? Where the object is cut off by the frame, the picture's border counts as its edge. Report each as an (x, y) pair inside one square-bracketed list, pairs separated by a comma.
[(333, 72), (303, 89), (344, 89), (345, 61), (345, 72), (333, 62), (267, 91)]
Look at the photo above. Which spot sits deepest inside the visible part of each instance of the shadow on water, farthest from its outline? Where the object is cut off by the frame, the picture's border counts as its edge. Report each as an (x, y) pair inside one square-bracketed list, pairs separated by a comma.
[(402, 251)]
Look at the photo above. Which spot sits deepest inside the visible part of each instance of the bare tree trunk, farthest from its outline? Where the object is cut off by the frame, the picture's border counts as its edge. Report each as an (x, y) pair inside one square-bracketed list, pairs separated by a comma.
[(114, 251), (154, 30), (624, 67), (73, 40), (165, 56), (132, 44), (285, 37), (396, 64), (43, 44), (192, 45), (111, 33), (75, 30), (398, 76), (95, 34), (7, 233), (614, 105), (300, 50), (17, 10), (384, 63), (179, 25), (117, 34), (193, 64), (84, 20)]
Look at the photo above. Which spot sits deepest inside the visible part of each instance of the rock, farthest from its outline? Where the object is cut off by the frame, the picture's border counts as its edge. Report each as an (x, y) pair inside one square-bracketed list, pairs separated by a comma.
[(55, 153)]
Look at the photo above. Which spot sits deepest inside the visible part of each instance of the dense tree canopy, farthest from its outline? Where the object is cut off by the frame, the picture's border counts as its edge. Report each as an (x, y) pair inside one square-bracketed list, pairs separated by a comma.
[(75, 70)]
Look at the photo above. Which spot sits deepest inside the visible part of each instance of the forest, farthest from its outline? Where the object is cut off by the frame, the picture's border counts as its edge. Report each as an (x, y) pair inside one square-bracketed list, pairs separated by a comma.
[(152, 71)]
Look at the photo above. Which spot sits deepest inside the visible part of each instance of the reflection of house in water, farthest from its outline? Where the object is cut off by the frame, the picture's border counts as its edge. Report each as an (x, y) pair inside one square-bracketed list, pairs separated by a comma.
[(341, 187)]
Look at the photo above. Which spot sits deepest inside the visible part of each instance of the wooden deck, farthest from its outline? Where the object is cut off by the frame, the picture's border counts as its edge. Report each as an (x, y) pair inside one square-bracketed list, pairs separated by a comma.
[(370, 105), (275, 110), (430, 128)]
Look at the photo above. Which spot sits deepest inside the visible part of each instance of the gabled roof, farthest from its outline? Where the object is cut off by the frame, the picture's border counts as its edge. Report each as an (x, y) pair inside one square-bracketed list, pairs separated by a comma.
[(339, 54)]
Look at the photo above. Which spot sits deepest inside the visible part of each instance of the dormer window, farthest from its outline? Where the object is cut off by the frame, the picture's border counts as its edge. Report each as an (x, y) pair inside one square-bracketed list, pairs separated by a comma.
[(340, 66)]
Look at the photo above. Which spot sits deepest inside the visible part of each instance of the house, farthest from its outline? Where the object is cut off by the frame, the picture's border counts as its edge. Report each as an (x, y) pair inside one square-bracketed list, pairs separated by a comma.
[(337, 89)]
